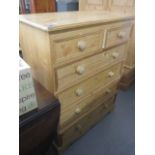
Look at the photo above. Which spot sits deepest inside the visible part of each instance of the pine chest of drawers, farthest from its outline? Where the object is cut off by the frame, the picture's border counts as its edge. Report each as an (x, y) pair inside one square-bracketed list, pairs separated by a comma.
[(78, 57)]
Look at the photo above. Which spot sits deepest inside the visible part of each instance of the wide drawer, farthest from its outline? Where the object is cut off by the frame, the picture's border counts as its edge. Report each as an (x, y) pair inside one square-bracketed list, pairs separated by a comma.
[(72, 112), (86, 122), (72, 74), (73, 44), (81, 90), (118, 34)]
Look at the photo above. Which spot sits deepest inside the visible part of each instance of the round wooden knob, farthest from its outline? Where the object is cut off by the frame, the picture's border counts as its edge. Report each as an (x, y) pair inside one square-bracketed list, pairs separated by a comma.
[(78, 92), (108, 91), (79, 128), (80, 69), (81, 45), (121, 35), (77, 110), (106, 106), (111, 74), (115, 55)]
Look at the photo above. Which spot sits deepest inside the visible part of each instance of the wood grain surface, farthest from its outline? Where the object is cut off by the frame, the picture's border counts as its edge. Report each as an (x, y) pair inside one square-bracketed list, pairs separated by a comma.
[(62, 20)]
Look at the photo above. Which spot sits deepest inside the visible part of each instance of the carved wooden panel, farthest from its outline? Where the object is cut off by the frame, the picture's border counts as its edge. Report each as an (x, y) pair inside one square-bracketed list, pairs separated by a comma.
[(122, 5), (107, 5), (92, 5)]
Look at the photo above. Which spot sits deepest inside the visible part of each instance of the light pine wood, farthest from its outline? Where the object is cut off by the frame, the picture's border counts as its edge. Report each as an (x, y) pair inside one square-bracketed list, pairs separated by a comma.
[(78, 56), (88, 87), (128, 75), (130, 62), (77, 44), (117, 35), (91, 84), (76, 36), (117, 6), (44, 51), (94, 38), (35, 46), (85, 122), (62, 20), (93, 5), (122, 5), (125, 6), (83, 105), (69, 75), (127, 78)]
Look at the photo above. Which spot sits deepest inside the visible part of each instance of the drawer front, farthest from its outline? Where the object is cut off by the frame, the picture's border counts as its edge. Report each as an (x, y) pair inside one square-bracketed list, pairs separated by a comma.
[(76, 45), (71, 113), (81, 90), (85, 123), (75, 99), (72, 74), (117, 35)]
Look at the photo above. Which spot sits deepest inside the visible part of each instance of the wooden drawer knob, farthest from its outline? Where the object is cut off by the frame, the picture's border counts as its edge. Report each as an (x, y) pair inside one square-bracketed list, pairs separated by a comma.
[(121, 35), (79, 128), (111, 74), (106, 106), (81, 45), (108, 91), (80, 69), (79, 92), (77, 110), (115, 55)]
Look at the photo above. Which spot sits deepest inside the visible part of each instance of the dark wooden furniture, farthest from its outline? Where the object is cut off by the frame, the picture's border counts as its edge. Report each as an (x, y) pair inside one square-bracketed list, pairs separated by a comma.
[(24, 6), (37, 129), (42, 6), (21, 7)]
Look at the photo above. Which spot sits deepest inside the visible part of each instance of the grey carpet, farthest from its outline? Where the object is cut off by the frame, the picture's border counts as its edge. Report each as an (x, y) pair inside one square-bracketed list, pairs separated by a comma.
[(114, 135)]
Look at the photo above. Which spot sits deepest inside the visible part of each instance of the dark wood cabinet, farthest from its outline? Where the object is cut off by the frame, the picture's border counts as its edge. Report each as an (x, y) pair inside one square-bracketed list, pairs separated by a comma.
[(37, 129), (42, 6)]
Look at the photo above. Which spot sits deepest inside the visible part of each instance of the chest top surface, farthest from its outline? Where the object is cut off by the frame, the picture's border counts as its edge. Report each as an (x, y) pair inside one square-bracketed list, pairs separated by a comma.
[(63, 20)]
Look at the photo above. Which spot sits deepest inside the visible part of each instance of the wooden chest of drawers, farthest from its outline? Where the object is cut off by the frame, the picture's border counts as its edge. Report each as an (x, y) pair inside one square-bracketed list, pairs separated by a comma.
[(78, 57)]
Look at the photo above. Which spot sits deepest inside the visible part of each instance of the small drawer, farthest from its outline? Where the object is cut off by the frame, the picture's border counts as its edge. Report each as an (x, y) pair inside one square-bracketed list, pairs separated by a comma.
[(77, 44), (117, 35), (76, 72)]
